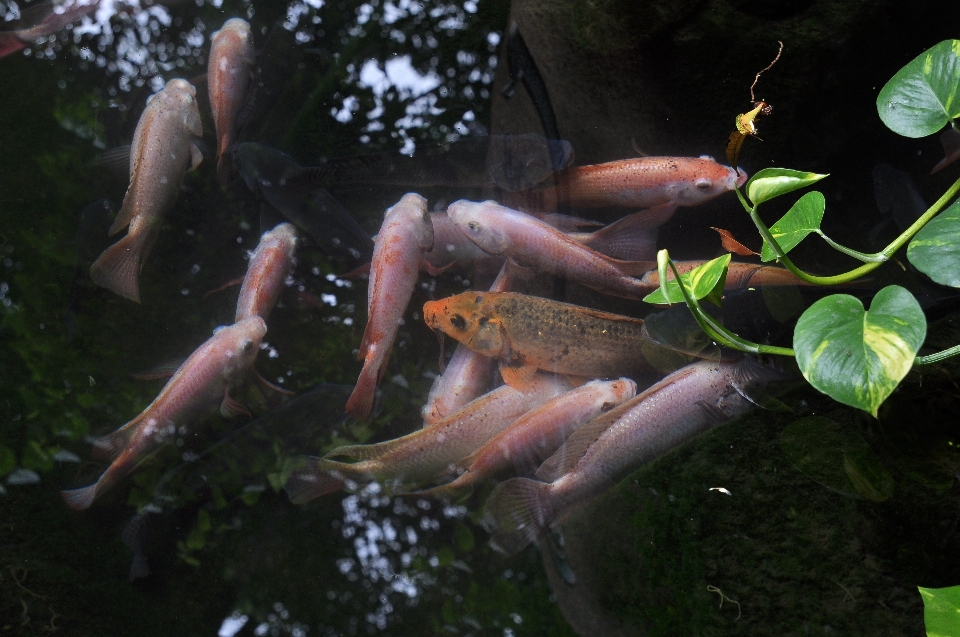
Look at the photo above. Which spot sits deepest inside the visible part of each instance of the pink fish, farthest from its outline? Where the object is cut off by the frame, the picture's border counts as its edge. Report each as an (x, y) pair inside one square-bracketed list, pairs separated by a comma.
[(686, 403), (204, 380), (531, 243), (646, 182), (43, 19), (427, 453), (406, 234), (229, 75), (468, 374), (538, 433), (269, 265), (164, 148)]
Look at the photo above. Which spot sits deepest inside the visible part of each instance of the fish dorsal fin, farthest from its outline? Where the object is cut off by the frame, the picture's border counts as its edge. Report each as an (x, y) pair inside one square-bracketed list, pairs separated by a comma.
[(520, 377), (109, 446), (163, 370), (634, 237), (567, 456)]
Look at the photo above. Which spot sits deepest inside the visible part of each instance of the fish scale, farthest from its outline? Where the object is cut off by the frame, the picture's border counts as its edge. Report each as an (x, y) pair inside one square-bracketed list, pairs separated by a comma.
[(526, 333)]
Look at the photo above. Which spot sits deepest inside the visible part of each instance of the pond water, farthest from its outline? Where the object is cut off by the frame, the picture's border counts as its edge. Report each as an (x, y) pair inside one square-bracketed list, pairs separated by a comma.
[(777, 523)]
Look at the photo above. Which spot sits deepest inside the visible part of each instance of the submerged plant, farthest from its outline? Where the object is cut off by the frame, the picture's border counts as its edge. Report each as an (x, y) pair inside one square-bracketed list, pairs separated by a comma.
[(855, 355)]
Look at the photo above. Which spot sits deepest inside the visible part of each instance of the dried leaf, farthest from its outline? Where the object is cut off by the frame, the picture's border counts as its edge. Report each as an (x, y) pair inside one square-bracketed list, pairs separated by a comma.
[(732, 245)]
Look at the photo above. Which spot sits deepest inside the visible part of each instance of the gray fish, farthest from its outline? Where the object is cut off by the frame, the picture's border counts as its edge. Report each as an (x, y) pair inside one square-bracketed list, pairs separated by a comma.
[(683, 405)]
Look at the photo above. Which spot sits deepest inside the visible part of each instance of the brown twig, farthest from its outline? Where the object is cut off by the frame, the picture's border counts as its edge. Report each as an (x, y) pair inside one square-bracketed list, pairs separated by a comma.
[(768, 67)]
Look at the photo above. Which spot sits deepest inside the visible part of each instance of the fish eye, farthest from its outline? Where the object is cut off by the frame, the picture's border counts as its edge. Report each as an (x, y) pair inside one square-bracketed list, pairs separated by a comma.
[(458, 322), (473, 225), (703, 184), (246, 345)]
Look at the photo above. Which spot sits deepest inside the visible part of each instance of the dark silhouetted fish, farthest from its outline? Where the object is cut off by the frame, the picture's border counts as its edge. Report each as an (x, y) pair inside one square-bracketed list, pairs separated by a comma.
[(510, 162), (277, 178)]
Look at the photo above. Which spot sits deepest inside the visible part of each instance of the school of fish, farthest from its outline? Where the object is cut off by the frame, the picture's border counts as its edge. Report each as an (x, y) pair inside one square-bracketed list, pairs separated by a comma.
[(560, 399)]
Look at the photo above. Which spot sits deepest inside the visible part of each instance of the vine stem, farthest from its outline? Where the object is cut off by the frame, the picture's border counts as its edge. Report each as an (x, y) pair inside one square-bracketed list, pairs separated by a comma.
[(718, 332), (866, 268), (937, 357)]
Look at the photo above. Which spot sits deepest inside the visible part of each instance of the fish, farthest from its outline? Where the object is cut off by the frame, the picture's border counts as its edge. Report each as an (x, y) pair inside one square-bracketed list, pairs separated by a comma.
[(683, 405), (450, 245), (739, 275), (527, 333), (536, 435), (645, 182), (531, 243), (205, 379), (229, 76), (277, 178), (43, 19), (269, 265), (164, 148), (427, 453), (512, 163), (406, 234), (467, 376)]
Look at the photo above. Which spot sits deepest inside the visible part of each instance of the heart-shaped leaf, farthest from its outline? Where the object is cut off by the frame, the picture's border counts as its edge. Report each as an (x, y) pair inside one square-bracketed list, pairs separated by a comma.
[(935, 250), (925, 94), (855, 356), (773, 182), (702, 280), (803, 218), (941, 610)]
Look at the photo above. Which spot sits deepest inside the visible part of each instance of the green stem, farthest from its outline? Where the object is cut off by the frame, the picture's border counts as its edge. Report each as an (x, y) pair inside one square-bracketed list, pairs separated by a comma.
[(717, 332), (859, 256), (937, 357), (866, 268)]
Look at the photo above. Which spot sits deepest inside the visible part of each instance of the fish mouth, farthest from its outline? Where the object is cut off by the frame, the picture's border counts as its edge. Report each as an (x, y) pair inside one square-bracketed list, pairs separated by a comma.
[(430, 313), (741, 177)]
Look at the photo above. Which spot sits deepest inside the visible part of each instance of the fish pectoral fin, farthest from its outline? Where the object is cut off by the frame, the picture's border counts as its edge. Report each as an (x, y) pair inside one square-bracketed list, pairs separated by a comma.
[(271, 393), (713, 413), (520, 377), (520, 271), (435, 271), (231, 408), (228, 284)]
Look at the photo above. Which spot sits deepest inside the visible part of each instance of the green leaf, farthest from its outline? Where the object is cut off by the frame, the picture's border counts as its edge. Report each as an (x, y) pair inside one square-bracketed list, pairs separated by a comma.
[(702, 280), (925, 94), (803, 218), (773, 182), (935, 250), (941, 611), (836, 457), (858, 357)]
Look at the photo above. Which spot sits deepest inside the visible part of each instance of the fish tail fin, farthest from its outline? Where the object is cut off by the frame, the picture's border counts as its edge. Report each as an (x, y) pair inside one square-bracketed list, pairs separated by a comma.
[(517, 513), (10, 43), (634, 237), (81, 499), (311, 479), (223, 163), (360, 402), (118, 268)]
